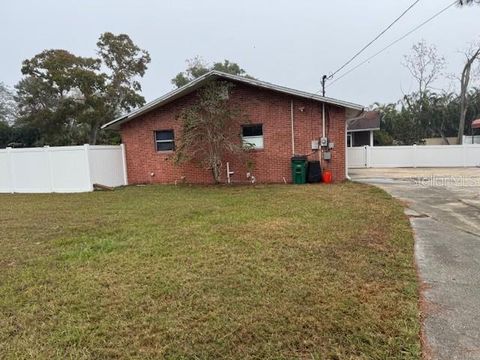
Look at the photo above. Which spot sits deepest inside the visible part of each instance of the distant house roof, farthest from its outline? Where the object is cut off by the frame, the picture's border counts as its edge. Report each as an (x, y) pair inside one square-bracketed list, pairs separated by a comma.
[(369, 120), (476, 124), (197, 83)]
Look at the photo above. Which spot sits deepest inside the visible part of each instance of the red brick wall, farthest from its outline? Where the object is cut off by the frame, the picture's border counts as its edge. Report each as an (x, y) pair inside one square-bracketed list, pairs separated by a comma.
[(272, 164)]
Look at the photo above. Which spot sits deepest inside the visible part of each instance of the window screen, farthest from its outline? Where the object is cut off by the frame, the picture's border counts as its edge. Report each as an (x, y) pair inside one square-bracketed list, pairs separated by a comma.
[(164, 140)]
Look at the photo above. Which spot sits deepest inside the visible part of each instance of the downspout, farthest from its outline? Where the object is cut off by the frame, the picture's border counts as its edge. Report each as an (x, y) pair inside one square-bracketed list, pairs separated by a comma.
[(323, 120), (291, 121), (346, 151), (324, 132)]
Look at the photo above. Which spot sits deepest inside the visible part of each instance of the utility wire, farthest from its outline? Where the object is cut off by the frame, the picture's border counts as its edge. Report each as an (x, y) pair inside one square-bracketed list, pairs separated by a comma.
[(395, 42), (375, 39)]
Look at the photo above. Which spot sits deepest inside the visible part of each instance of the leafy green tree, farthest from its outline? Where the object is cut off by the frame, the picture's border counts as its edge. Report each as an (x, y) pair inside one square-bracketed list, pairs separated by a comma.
[(391, 133), (230, 68), (417, 117), (196, 67), (211, 129), (14, 136), (8, 108), (424, 113), (440, 116), (56, 90), (125, 62), (10, 134), (434, 113), (5, 134), (68, 97), (382, 138), (406, 127)]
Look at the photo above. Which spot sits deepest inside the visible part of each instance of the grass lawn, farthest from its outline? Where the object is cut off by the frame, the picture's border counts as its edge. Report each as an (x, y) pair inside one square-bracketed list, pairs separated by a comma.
[(265, 272)]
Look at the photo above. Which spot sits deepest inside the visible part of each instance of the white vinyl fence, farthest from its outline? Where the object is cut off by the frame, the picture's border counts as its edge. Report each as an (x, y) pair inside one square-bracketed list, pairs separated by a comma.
[(414, 156), (471, 139), (61, 169)]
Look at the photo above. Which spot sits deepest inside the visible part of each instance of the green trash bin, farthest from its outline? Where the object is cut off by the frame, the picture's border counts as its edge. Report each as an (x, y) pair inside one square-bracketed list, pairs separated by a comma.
[(299, 169)]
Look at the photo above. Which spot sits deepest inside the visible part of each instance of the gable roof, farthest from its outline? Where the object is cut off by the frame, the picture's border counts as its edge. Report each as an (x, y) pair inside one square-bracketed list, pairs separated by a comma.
[(369, 120), (197, 83)]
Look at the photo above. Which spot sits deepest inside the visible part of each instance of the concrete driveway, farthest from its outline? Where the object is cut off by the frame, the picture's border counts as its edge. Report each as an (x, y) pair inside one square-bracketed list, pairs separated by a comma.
[(444, 209)]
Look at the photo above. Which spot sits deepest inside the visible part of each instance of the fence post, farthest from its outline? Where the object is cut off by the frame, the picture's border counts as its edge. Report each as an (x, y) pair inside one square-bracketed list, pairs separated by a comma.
[(48, 154), (86, 148), (11, 170), (124, 164), (414, 160), (365, 156), (368, 157)]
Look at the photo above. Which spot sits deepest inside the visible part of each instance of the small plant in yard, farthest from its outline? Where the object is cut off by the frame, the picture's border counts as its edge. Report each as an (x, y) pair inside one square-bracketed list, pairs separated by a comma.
[(210, 129), (250, 164)]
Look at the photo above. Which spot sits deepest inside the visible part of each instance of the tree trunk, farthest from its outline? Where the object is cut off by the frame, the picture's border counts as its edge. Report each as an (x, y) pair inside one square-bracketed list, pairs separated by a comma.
[(215, 163), (92, 137), (216, 173), (463, 102), (445, 140), (465, 81)]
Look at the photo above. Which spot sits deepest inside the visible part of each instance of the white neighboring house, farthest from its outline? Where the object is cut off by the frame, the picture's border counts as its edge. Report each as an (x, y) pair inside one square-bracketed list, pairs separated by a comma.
[(360, 129)]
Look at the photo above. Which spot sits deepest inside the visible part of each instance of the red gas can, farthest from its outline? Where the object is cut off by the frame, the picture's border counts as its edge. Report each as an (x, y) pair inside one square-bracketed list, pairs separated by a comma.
[(327, 176)]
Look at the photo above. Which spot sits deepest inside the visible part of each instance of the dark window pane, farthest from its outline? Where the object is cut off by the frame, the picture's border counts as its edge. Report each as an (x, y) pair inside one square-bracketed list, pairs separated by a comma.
[(165, 146), (164, 135), (252, 130)]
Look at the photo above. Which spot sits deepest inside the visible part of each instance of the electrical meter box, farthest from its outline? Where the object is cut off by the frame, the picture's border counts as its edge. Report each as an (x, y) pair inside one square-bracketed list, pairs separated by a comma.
[(315, 145), (323, 142)]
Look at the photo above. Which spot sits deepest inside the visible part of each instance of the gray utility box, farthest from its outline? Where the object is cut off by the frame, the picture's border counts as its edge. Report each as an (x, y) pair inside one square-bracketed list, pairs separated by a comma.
[(327, 155)]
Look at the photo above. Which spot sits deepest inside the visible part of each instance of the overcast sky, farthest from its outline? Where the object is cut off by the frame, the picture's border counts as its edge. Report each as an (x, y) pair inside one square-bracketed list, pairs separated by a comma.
[(291, 43)]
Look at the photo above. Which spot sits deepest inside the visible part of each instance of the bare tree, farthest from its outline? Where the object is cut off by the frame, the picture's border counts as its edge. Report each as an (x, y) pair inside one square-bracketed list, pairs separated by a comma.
[(468, 2), (211, 129), (471, 56), (425, 65)]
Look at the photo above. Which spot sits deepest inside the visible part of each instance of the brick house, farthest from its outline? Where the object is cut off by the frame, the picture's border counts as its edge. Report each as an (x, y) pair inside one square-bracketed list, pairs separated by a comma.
[(282, 122)]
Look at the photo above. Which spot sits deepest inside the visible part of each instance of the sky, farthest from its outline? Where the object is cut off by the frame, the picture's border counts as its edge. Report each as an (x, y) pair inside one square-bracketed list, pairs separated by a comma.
[(286, 42)]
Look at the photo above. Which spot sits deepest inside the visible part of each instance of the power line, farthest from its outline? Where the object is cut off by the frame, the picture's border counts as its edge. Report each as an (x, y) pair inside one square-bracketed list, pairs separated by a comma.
[(375, 39), (395, 42)]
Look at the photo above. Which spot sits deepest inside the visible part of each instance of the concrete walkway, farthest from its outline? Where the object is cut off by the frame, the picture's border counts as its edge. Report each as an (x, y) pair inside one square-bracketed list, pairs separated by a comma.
[(444, 208)]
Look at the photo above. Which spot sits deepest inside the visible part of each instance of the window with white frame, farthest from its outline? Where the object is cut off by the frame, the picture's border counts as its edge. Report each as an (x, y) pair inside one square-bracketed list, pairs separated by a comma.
[(164, 140), (252, 136)]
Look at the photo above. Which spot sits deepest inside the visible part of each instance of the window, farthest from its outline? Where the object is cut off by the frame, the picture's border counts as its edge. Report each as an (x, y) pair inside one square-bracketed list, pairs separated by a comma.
[(164, 140), (252, 136)]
